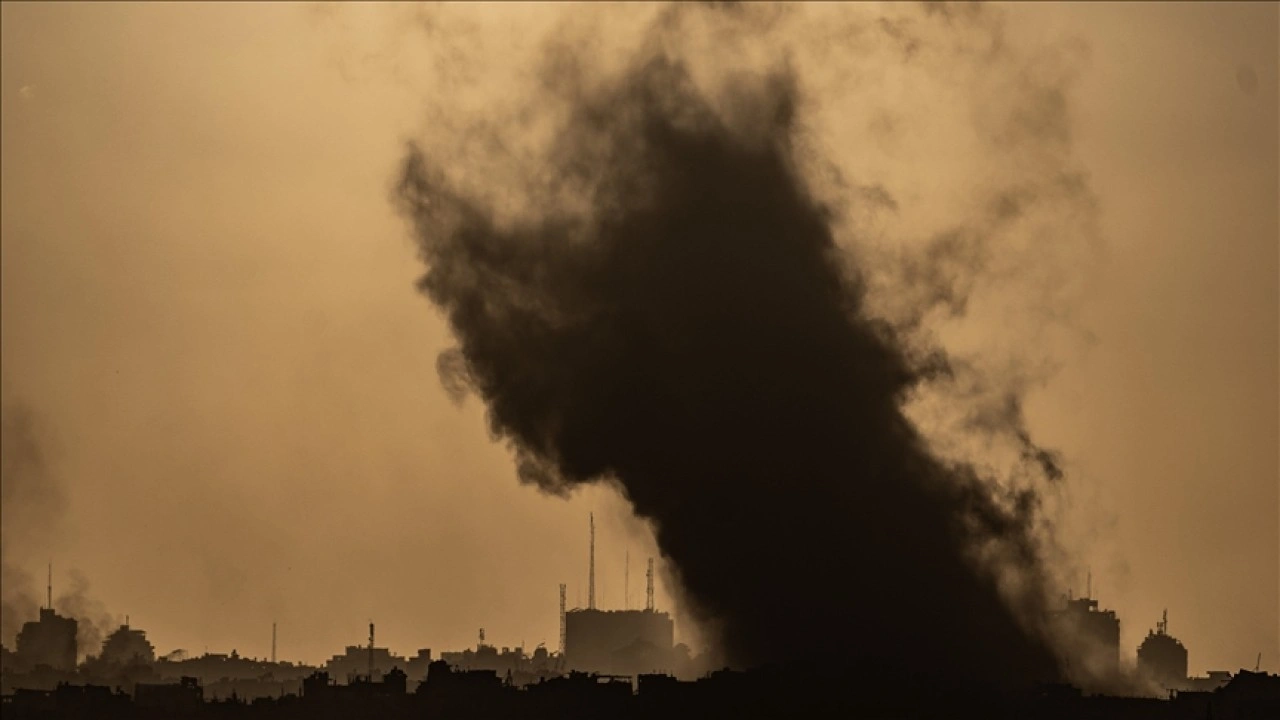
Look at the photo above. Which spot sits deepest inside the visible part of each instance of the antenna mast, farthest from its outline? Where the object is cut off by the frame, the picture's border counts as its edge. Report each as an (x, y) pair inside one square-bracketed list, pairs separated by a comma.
[(562, 620), (49, 587), (273, 643), (371, 652), (648, 587), (591, 574)]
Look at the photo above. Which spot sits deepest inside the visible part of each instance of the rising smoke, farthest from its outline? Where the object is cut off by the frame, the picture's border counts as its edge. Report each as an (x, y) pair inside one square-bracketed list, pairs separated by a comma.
[(33, 502), (31, 499), (657, 277)]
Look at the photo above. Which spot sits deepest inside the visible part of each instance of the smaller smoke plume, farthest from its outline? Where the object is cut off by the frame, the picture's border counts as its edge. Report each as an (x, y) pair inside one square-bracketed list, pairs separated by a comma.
[(94, 622), (32, 499)]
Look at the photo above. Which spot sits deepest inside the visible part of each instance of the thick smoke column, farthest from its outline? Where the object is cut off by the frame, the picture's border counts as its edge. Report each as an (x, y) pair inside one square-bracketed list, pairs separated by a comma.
[(698, 337)]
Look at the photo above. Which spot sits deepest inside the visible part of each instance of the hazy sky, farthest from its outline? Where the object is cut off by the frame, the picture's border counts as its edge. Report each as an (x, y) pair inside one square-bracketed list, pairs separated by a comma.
[(208, 302)]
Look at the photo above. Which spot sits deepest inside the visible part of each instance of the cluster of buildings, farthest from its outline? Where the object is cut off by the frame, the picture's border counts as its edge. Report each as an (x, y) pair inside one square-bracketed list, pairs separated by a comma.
[(592, 640), (50, 644), (50, 641), (611, 660), (464, 694), (1161, 658)]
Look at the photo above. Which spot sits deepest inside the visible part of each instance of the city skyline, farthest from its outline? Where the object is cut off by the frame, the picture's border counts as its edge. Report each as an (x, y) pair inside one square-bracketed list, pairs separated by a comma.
[(1129, 658)]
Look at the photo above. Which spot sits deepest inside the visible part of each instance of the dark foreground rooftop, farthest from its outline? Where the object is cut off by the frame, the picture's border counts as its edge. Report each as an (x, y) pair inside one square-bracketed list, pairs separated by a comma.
[(452, 694)]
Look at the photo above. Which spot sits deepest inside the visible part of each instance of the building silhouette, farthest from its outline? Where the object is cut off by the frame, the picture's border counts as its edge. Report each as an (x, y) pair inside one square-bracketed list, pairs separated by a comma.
[(1162, 657), (618, 642), (127, 646), (49, 641), (511, 665), (233, 675), (185, 696), (1098, 632)]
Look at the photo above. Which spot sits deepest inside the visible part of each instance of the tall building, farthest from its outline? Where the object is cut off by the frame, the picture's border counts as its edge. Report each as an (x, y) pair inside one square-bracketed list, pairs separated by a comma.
[(618, 642), (49, 641), (1162, 657), (1099, 634), (127, 646)]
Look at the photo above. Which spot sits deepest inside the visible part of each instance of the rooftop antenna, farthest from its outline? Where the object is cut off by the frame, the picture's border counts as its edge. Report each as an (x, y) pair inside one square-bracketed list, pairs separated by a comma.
[(626, 582), (1258, 663), (1164, 622), (49, 587), (591, 573), (273, 643), (648, 589), (562, 620), (370, 651), (481, 639)]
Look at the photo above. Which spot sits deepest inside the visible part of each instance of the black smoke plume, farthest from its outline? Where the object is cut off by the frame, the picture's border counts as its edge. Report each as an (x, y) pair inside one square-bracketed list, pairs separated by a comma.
[(666, 308), (32, 499), (33, 503)]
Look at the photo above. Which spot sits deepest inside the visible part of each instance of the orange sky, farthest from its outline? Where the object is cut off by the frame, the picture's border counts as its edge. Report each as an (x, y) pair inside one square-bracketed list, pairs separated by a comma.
[(208, 300)]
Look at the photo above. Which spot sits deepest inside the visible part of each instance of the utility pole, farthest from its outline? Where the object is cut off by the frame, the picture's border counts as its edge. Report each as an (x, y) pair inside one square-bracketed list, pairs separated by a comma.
[(648, 590), (591, 572), (562, 620)]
